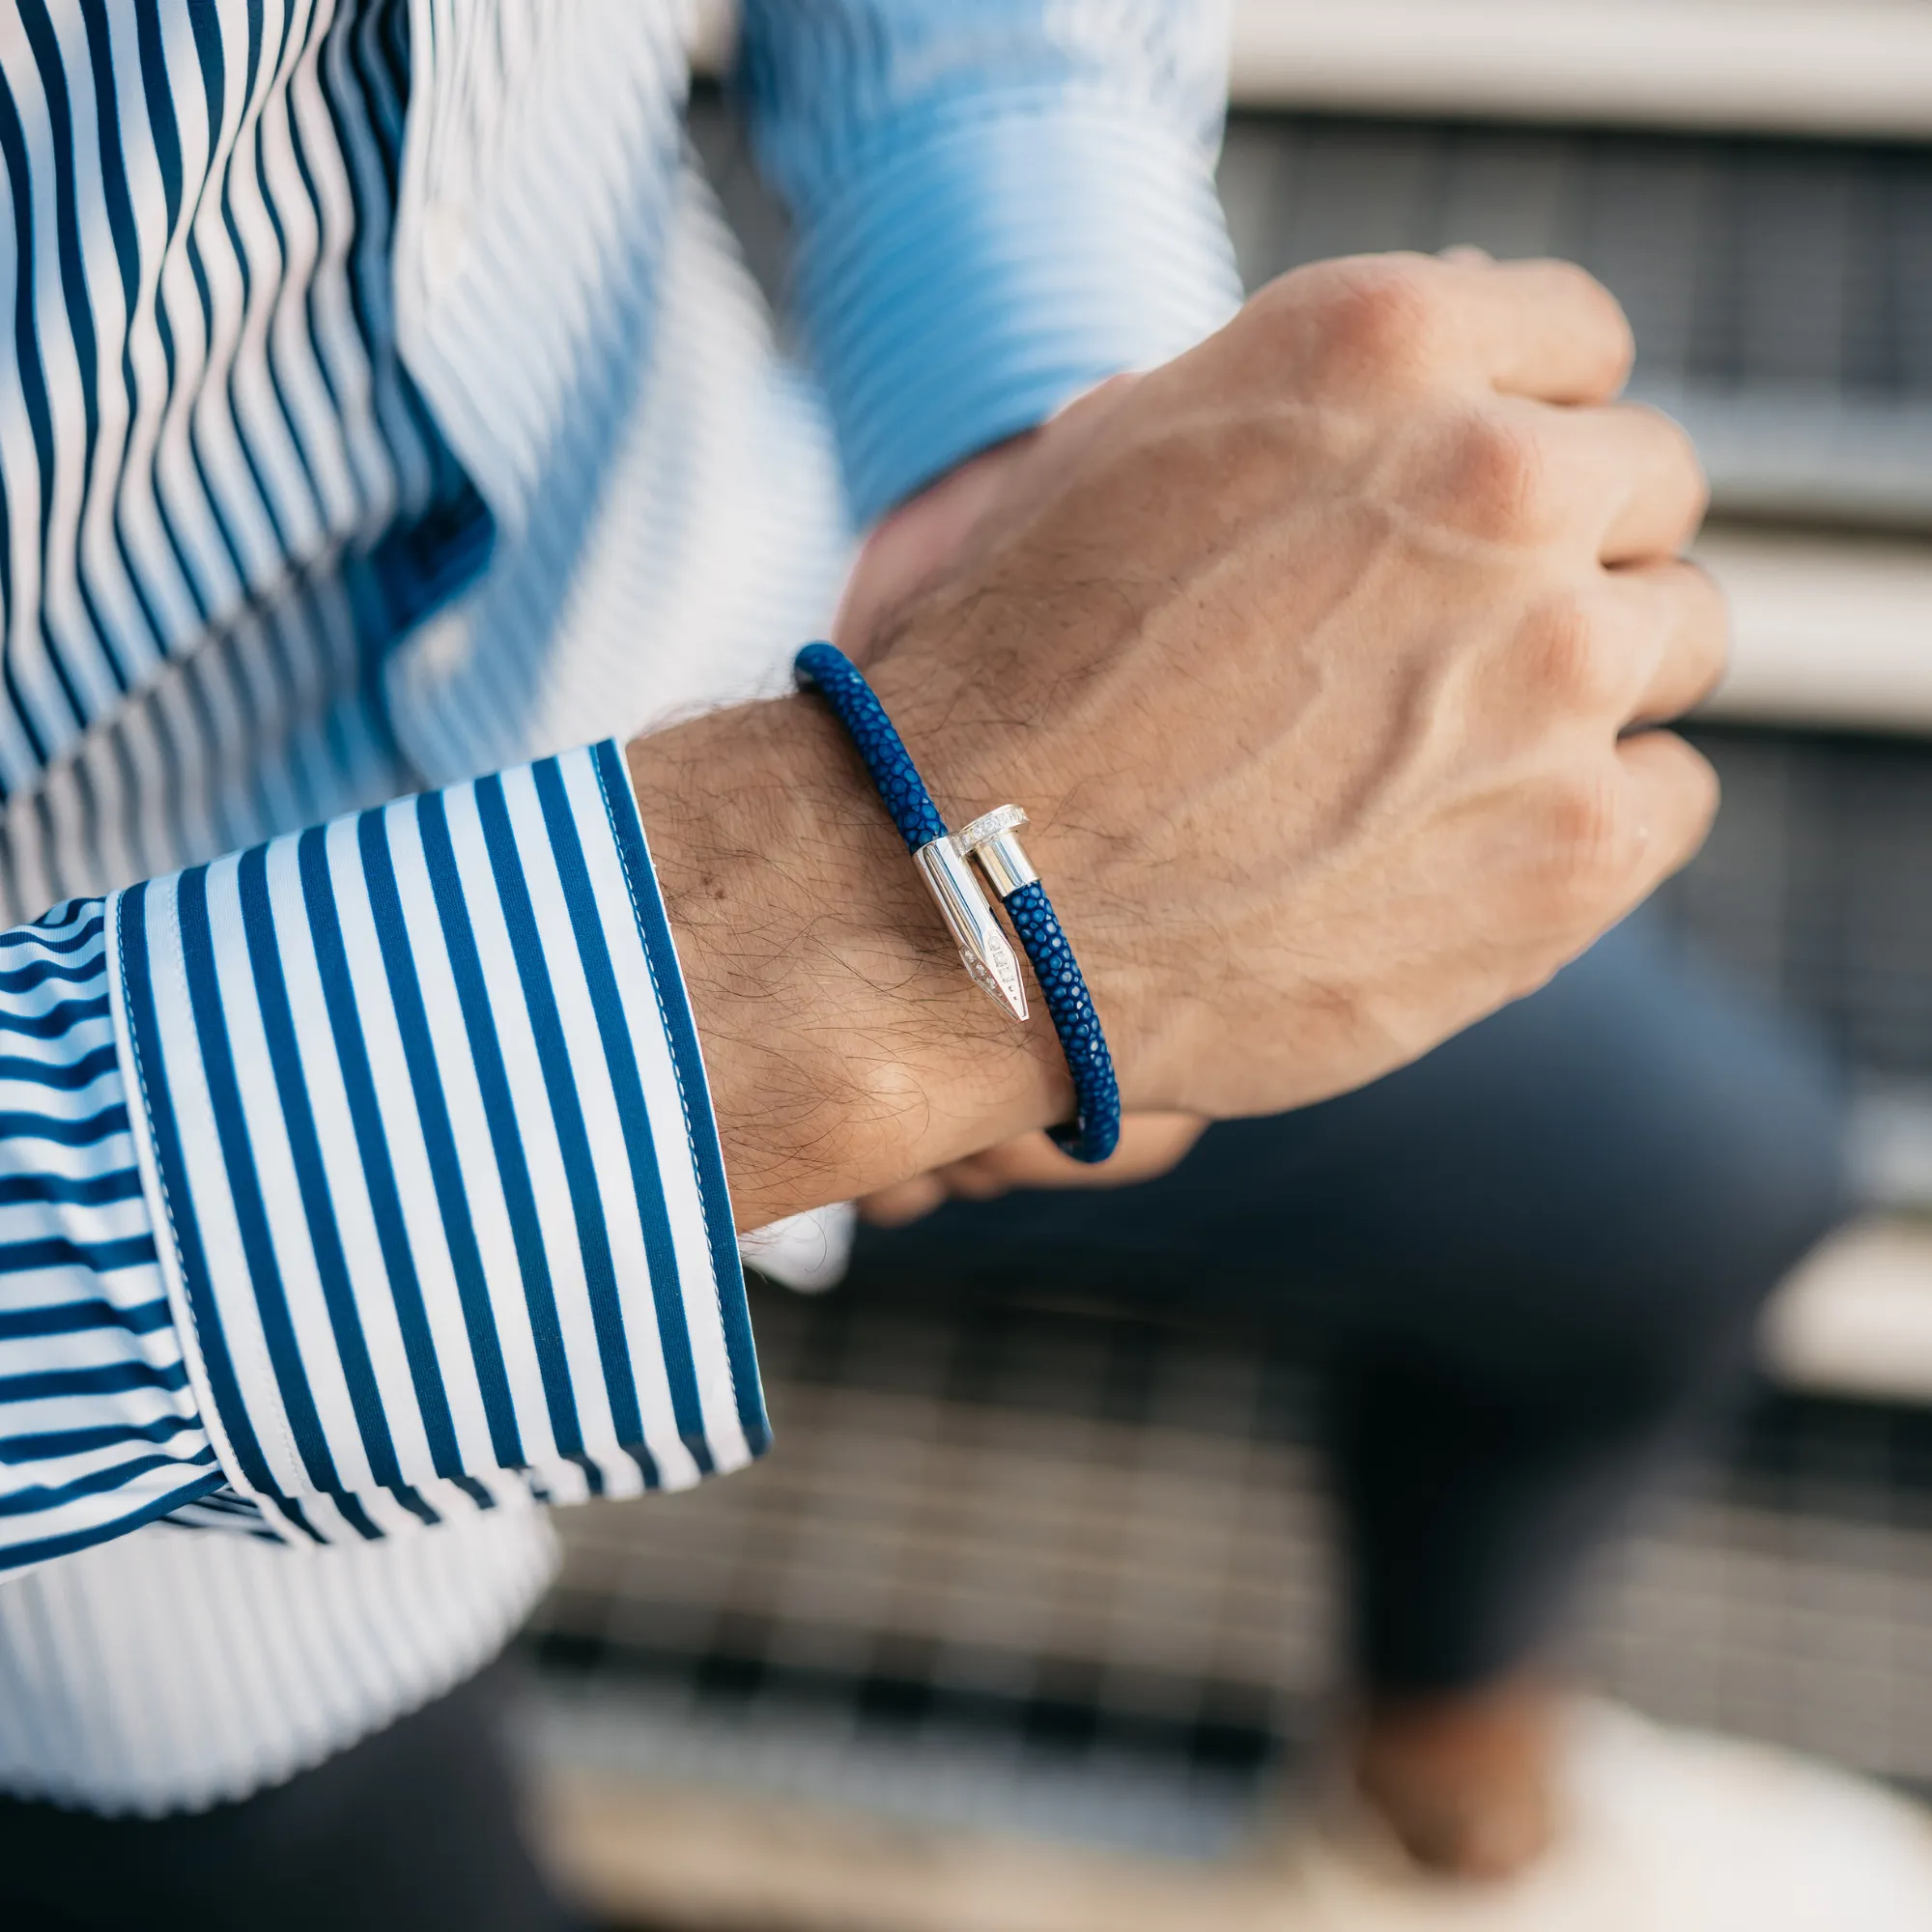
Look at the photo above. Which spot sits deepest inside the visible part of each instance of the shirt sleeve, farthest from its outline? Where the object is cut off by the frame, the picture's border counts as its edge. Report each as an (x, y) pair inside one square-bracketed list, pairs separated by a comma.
[(362, 1178), (997, 205)]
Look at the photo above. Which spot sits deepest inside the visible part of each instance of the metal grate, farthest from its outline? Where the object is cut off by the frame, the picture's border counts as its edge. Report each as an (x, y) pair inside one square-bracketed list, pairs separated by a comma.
[(1816, 888), (1070, 1570), (1742, 261)]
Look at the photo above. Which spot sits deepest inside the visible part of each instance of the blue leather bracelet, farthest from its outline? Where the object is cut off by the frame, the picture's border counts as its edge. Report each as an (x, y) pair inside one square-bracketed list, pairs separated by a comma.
[(946, 862)]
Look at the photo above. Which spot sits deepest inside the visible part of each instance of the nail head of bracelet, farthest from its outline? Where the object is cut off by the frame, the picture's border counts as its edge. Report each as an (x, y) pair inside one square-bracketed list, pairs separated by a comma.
[(1001, 858), (989, 825)]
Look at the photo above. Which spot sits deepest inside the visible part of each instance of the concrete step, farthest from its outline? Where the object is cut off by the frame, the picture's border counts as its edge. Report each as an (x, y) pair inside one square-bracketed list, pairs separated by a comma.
[(1668, 1832), (1858, 67)]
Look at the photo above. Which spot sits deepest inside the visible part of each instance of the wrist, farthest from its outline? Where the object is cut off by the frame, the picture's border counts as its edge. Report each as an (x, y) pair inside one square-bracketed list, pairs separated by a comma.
[(957, 682), (844, 1047)]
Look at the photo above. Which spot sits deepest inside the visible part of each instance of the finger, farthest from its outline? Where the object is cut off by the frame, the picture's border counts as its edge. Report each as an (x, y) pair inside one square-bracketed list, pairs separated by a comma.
[(986, 1176), (1684, 612), (1665, 490), (1674, 798), (1629, 474), (1548, 331), (905, 1201)]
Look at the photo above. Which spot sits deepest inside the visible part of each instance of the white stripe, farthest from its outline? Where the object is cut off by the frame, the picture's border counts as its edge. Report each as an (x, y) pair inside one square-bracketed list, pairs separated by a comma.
[(476, 1157), (543, 1157), (136, 501), (100, 560), (221, 431), (347, 1190), (409, 1157), (26, 648), (280, 1193), (189, 513), (617, 1191), (214, 1215)]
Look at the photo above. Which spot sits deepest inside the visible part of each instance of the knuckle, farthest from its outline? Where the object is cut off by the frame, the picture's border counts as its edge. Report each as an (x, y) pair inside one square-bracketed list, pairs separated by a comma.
[(1585, 844), (1498, 476), (1569, 657), (1390, 313)]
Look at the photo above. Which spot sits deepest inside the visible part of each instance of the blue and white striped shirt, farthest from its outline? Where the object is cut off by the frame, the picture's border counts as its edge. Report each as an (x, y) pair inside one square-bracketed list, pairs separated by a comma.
[(388, 414)]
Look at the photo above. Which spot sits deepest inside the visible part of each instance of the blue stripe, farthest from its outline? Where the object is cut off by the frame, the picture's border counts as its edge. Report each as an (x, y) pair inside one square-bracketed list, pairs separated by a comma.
[(62, 134), (245, 1187), (32, 378), (418, 1505), (37, 937), (500, 1114), (331, 1264), (356, 1516), (119, 200), (110, 1379), (600, 1272), (63, 1075), (44, 1549), (627, 1088), (91, 1190), (225, 1502), (56, 1020), (734, 1314), (458, 1231), (352, 1055), (48, 1251), (24, 979), (292, 1512), (145, 1033), (29, 1502), (20, 1124), (51, 1444), (60, 915), (81, 1318)]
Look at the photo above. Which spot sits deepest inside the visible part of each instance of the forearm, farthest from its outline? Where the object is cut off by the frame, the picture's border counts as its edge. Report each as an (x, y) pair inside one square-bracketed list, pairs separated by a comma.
[(846, 1047)]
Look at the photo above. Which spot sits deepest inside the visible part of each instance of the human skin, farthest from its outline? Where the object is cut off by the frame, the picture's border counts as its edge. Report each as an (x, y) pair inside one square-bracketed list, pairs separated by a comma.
[(1326, 661), (908, 552)]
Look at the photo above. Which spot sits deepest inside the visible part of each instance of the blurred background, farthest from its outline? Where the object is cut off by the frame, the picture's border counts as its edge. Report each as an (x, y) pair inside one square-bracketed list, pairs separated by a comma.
[(1029, 1623)]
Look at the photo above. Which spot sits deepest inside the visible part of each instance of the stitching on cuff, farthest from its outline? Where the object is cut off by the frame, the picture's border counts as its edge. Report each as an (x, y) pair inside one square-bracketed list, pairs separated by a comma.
[(185, 1309), (677, 1071)]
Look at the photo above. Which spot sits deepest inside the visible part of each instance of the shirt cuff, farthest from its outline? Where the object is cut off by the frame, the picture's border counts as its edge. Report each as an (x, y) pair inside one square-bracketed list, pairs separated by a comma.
[(981, 263), (421, 1120)]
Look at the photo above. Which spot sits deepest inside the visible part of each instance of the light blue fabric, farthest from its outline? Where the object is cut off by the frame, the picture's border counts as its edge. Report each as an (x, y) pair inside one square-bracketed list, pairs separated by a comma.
[(998, 204)]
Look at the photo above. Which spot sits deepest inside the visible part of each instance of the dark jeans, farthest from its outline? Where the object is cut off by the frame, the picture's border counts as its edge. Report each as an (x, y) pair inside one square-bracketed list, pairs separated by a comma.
[(416, 1829), (1533, 1258)]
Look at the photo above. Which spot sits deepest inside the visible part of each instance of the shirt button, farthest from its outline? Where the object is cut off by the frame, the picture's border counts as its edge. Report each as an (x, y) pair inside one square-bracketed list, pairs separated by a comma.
[(445, 244)]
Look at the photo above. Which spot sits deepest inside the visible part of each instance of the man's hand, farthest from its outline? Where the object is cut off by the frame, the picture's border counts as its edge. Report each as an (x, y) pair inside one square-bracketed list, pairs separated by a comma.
[(1326, 661)]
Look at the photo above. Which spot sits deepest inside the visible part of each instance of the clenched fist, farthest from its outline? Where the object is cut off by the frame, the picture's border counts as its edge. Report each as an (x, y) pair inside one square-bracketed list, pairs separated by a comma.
[(1327, 661)]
